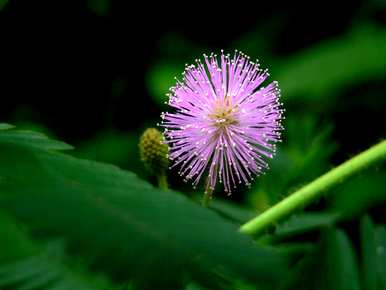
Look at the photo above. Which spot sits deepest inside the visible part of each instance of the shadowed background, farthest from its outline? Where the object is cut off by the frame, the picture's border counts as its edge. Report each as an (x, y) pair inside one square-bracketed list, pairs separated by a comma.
[(94, 74)]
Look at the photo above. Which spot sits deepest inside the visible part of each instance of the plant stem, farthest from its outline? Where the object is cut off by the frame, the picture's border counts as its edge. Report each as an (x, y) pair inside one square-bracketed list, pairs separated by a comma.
[(314, 190), (162, 181), (206, 199)]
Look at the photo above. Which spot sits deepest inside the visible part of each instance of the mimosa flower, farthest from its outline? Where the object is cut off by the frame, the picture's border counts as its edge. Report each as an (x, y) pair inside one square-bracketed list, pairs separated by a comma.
[(225, 124)]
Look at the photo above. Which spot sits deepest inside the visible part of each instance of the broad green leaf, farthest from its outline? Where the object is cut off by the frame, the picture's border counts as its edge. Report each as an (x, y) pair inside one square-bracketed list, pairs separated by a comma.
[(31, 139), (124, 225), (369, 254), (114, 147)]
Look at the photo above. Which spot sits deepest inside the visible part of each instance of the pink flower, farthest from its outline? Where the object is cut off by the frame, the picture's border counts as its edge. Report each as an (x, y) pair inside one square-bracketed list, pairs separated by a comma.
[(224, 124)]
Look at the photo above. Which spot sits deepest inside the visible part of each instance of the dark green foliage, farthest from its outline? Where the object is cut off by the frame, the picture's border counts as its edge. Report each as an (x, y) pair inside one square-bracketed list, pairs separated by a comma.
[(99, 7), (232, 211), (329, 67), (303, 157), (25, 265), (360, 193), (380, 243), (121, 224), (302, 223), (369, 254), (127, 229), (3, 3), (330, 266), (340, 262), (113, 147)]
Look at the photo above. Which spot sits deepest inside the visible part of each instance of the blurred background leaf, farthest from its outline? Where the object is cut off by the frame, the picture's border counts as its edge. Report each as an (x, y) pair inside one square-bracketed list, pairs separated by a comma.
[(25, 265), (3, 3), (322, 71), (332, 265), (341, 262), (161, 78), (369, 254), (99, 7), (303, 156), (380, 240), (359, 194), (114, 147)]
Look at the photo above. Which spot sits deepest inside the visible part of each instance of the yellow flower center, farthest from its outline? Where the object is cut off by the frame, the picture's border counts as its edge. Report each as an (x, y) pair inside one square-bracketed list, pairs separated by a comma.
[(223, 113)]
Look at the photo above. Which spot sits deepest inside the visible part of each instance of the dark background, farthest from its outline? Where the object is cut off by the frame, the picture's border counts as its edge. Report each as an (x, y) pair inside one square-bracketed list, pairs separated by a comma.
[(60, 59), (94, 72)]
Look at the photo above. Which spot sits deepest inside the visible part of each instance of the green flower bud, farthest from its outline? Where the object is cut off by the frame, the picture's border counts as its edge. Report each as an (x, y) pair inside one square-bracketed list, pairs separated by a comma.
[(153, 151)]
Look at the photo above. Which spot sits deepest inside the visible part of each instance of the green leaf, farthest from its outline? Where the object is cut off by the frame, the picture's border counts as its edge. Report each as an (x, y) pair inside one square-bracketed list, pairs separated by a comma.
[(99, 7), (341, 264), (193, 286), (356, 195), (302, 223), (13, 243), (121, 223), (25, 265), (47, 273), (114, 147), (4, 126), (302, 276), (30, 139), (303, 156), (3, 3), (331, 265), (322, 70), (232, 211), (369, 254), (294, 250), (161, 77), (380, 240)]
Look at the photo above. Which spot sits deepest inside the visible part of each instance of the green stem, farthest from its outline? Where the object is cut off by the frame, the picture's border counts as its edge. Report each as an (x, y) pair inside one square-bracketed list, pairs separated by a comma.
[(206, 199), (314, 190), (162, 181)]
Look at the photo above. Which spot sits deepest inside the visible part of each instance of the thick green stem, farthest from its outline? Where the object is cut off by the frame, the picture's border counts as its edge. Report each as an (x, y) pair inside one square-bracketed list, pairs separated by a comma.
[(162, 181), (314, 190)]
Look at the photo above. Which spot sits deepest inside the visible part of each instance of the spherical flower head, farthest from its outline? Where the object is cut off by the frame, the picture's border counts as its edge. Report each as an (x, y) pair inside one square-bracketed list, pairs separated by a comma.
[(224, 123), (153, 151)]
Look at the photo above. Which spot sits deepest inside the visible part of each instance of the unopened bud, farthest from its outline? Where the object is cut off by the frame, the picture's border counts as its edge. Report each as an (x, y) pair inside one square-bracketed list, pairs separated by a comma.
[(154, 151)]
